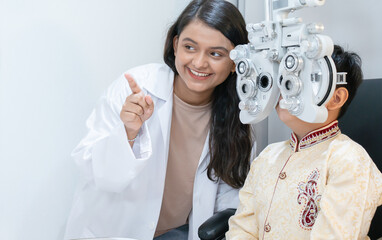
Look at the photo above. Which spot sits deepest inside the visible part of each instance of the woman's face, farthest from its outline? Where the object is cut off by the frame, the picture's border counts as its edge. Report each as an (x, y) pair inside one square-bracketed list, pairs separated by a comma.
[(201, 59)]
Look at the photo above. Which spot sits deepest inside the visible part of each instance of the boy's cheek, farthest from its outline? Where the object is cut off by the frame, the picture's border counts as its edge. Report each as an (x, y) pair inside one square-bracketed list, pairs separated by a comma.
[(282, 113)]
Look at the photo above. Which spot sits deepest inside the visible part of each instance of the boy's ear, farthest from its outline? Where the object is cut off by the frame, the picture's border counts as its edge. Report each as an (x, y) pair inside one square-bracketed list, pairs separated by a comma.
[(340, 96), (175, 44)]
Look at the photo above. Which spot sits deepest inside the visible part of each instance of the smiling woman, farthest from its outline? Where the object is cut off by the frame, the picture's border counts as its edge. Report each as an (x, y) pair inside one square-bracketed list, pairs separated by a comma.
[(165, 147), (202, 61)]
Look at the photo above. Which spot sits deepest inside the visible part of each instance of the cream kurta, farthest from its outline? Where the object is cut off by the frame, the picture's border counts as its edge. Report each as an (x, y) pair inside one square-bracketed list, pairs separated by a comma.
[(324, 187)]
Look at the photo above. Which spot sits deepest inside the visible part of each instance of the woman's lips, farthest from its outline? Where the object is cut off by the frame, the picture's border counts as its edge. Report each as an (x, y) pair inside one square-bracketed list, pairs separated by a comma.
[(198, 75)]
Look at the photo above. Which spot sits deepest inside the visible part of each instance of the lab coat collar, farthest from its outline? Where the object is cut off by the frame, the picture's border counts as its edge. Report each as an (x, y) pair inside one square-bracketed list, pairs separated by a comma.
[(160, 82)]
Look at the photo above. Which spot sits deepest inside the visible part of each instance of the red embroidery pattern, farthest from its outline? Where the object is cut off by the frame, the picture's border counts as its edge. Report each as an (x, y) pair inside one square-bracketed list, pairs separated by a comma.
[(315, 137), (293, 142), (308, 192)]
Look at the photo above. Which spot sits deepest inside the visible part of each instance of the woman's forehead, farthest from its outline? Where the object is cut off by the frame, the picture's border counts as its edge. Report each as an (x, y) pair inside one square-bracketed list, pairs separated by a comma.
[(201, 33)]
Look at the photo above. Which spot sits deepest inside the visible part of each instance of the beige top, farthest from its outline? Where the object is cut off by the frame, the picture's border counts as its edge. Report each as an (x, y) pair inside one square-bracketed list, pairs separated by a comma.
[(324, 186), (189, 129)]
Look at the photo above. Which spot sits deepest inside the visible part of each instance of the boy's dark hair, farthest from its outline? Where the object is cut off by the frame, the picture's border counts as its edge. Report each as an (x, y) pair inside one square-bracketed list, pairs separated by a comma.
[(230, 141), (350, 63)]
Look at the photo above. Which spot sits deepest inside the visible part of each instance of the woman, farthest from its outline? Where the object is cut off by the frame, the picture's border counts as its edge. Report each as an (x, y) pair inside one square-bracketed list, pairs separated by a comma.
[(165, 148)]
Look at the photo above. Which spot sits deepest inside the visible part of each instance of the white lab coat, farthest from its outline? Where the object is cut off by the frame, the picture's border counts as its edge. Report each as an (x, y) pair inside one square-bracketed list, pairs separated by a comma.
[(123, 188)]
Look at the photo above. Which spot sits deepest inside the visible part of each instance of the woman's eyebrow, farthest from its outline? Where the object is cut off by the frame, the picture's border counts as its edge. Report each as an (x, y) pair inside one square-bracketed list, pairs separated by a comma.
[(189, 39), (220, 48), (215, 48)]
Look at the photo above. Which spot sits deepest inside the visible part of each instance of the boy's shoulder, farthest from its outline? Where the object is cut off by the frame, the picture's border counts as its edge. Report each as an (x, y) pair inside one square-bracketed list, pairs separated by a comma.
[(340, 147), (348, 158), (343, 152), (346, 146)]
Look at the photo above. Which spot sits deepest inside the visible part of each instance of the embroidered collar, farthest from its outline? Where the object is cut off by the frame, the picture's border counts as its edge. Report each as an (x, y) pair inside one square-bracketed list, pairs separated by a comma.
[(317, 136)]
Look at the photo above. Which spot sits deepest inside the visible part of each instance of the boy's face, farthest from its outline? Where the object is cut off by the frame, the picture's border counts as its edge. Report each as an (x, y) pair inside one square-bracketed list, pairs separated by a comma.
[(289, 119), (301, 128)]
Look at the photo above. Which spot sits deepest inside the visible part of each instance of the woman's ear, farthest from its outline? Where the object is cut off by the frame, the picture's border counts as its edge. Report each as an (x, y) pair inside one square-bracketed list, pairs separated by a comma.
[(175, 44), (340, 96), (233, 68)]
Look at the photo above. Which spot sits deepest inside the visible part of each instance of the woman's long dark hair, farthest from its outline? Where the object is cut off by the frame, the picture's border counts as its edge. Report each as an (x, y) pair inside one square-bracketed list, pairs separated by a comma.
[(230, 141)]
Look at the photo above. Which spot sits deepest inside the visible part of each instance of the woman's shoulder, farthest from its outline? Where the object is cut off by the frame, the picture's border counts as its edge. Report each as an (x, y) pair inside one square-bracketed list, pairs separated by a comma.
[(148, 70), (146, 76), (154, 78)]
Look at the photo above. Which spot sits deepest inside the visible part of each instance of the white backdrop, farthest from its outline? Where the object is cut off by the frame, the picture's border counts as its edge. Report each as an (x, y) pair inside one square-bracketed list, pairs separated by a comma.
[(56, 58)]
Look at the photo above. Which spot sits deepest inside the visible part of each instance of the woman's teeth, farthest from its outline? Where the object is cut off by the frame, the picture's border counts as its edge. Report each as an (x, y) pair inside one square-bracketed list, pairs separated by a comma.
[(199, 74)]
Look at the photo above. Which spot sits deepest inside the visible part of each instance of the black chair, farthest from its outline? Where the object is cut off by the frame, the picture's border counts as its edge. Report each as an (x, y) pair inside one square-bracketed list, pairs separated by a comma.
[(216, 226), (363, 123)]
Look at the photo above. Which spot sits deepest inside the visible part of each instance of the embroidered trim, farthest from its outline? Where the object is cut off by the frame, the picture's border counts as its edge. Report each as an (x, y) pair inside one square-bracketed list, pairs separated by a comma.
[(293, 142), (315, 137), (309, 193)]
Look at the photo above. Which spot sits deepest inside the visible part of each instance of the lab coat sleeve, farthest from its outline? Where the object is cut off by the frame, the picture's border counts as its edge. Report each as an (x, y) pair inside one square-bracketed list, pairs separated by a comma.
[(243, 225), (227, 197), (350, 198), (104, 154)]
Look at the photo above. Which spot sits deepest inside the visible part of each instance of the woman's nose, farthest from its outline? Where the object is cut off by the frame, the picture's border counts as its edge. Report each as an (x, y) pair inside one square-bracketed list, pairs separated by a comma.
[(200, 61)]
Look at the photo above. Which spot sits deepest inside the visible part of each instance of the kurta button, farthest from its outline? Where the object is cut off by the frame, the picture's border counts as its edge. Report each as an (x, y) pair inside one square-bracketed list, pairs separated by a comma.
[(267, 228), (282, 175)]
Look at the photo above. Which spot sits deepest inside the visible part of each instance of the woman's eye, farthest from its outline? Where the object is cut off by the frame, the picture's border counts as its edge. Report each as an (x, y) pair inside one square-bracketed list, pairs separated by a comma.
[(216, 54), (189, 47)]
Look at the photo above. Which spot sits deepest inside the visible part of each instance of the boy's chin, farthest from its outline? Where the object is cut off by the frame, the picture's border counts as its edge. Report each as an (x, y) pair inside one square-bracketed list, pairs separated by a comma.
[(284, 115)]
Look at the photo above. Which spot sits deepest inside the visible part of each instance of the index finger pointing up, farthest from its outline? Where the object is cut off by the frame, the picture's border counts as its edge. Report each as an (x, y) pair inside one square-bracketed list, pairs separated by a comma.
[(133, 85)]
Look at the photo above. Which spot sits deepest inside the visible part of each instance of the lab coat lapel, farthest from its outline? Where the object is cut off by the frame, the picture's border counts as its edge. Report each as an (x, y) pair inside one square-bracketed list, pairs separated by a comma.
[(205, 151), (165, 117), (161, 86), (204, 195)]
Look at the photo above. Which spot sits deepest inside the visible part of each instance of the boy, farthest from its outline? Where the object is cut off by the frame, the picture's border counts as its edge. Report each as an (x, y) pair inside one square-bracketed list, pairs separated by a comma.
[(319, 184)]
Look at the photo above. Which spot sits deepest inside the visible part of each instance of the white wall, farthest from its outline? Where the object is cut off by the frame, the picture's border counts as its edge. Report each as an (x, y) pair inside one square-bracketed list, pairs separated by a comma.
[(354, 24), (56, 58)]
